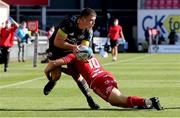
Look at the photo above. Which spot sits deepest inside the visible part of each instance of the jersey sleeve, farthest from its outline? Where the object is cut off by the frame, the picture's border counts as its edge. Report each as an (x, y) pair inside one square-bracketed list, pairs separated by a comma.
[(14, 28), (69, 58), (67, 25)]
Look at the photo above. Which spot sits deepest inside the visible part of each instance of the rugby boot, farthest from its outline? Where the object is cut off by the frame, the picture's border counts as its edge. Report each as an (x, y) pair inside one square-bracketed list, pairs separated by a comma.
[(92, 104), (48, 87), (156, 103)]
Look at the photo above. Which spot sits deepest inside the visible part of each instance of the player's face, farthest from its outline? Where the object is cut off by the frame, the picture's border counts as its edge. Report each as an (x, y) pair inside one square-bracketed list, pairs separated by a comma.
[(89, 22), (8, 24), (24, 25)]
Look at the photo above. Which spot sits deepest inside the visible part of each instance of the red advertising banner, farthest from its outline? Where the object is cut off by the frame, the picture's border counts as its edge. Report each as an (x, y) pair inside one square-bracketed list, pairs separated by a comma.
[(27, 2)]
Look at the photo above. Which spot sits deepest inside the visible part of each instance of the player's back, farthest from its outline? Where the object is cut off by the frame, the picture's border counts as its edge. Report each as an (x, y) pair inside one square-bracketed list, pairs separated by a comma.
[(90, 70), (69, 27)]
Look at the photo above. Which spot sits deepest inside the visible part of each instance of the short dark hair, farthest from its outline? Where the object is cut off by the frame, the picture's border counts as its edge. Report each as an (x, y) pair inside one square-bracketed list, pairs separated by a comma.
[(87, 12), (23, 22)]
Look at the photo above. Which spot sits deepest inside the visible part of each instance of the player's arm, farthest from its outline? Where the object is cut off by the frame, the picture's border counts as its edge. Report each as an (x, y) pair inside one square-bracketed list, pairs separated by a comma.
[(121, 34), (52, 64), (16, 25), (60, 42), (13, 21)]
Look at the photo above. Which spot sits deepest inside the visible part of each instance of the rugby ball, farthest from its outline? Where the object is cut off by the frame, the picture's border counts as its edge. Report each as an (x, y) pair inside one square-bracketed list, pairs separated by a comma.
[(84, 53)]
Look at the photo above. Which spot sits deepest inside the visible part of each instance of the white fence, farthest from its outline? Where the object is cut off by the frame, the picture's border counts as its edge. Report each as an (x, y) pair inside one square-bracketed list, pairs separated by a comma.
[(29, 51)]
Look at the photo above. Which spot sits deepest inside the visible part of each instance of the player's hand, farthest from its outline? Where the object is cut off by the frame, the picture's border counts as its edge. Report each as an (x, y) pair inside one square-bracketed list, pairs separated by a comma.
[(75, 49), (10, 19)]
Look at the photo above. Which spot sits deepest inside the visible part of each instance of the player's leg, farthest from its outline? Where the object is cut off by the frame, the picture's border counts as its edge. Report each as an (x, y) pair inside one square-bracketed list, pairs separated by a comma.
[(66, 71), (6, 54), (23, 49), (112, 52), (106, 88), (19, 51), (53, 76), (115, 52), (113, 45), (116, 98), (70, 71), (52, 72), (83, 86)]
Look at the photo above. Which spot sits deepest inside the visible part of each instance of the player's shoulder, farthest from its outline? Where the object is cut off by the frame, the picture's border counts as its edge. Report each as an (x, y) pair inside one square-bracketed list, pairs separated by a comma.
[(68, 23), (70, 20), (120, 26)]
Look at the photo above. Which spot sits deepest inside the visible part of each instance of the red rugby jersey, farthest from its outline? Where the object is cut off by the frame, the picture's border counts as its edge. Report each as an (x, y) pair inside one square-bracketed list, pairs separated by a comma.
[(89, 70), (114, 32), (7, 36)]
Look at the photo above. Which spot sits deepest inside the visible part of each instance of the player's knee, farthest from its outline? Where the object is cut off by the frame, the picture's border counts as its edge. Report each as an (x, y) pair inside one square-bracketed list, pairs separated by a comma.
[(118, 100), (56, 74), (45, 71)]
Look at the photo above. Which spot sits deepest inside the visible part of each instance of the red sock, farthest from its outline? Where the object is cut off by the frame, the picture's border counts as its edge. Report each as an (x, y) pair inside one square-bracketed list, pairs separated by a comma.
[(135, 101)]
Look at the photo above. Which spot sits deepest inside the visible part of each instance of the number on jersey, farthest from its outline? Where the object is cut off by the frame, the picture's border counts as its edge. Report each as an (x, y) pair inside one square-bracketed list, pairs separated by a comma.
[(94, 63)]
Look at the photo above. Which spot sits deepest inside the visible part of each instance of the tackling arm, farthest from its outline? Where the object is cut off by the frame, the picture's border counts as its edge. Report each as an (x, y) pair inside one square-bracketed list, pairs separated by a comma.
[(52, 64)]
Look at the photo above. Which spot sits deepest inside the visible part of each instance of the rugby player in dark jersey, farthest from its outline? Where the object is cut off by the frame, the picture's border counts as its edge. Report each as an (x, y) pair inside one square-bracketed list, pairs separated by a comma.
[(72, 32)]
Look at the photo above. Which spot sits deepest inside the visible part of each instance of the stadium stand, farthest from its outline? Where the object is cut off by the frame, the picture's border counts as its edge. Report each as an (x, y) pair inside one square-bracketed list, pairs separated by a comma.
[(161, 4), (155, 4)]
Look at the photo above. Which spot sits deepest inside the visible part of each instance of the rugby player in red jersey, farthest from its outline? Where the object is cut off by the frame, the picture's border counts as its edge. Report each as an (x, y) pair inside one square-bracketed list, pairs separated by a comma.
[(103, 83), (7, 40)]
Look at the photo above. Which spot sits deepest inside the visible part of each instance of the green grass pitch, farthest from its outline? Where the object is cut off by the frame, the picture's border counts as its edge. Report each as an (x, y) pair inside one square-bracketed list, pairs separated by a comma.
[(145, 75)]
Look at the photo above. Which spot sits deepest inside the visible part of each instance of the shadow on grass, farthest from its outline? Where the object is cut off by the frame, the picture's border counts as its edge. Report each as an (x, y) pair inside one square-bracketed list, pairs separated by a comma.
[(70, 109)]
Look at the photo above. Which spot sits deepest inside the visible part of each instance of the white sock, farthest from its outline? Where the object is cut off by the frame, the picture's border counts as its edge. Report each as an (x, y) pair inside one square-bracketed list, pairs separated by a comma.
[(148, 103)]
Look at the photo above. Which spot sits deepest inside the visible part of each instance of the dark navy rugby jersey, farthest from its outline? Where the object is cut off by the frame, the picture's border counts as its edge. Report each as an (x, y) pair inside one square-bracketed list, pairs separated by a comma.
[(74, 35)]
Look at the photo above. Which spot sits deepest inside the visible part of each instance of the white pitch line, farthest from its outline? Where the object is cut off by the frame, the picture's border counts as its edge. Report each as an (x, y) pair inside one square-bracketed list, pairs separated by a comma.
[(20, 83), (127, 60), (38, 78)]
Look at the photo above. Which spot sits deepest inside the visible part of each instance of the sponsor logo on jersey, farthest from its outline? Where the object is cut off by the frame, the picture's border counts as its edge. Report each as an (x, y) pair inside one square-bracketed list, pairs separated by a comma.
[(71, 34)]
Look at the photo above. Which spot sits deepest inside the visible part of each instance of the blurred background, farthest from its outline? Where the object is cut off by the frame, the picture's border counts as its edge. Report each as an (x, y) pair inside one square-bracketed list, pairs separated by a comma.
[(149, 26), (146, 24)]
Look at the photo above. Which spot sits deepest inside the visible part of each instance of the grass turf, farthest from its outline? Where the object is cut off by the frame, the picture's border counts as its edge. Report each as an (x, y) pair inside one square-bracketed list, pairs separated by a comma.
[(144, 75)]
